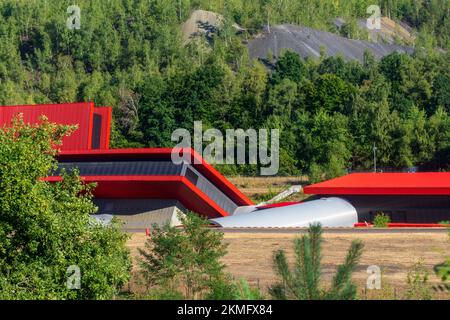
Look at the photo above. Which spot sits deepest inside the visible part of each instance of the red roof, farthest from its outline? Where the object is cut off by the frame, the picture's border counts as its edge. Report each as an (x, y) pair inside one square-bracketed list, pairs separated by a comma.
[(81, 114), (93, 132), (430, 183), (163, 187), (154, 187)]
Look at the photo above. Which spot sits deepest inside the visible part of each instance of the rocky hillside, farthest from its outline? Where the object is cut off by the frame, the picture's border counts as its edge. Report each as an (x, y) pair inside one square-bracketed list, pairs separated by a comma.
[(309, 42)]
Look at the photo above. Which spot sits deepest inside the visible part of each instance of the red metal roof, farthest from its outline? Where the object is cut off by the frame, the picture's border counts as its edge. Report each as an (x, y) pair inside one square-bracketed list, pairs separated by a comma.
[(106, 116), (200, 164), (78, 147), (429, 183), (154, 187), (80, 114)]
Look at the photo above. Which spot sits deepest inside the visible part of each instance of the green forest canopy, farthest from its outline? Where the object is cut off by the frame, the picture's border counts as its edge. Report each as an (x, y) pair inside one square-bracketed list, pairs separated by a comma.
[(129, 54)]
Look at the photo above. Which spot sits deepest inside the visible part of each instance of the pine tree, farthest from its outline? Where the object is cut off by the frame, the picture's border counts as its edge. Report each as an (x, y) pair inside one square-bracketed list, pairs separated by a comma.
[(302, 282)]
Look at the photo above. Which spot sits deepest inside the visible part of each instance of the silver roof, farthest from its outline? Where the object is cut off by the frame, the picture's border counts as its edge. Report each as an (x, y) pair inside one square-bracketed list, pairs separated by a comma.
[(330, 212)]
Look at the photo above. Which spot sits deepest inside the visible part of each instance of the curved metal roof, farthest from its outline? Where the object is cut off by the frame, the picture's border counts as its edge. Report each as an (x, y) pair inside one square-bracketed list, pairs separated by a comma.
[(330, 212)]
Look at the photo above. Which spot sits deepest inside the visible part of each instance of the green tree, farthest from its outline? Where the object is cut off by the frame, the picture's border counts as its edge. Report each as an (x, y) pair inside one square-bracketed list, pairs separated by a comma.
[(439, 131), (324, 145), (186, 259), (302, 282), (289, 66), (46, 228), (442, 90), (332, 94)]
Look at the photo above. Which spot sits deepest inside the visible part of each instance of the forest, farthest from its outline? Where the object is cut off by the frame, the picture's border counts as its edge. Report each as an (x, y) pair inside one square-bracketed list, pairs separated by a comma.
[(129, 54)]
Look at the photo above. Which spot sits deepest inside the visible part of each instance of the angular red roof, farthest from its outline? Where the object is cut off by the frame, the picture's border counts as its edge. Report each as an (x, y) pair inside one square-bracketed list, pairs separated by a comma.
[(93, 122), (423, 183), (158, 186), (90, 143)]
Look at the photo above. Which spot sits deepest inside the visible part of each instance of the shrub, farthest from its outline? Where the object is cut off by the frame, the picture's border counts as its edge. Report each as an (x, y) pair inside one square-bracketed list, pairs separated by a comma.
[(381, 220), (46, 228), (246, 292), (417, 283), (442, 270), (231, 290), (184, 259), (302, 282)]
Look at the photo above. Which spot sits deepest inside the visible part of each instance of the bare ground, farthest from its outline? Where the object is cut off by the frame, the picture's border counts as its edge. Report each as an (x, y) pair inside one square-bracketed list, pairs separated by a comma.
[(250, 257)]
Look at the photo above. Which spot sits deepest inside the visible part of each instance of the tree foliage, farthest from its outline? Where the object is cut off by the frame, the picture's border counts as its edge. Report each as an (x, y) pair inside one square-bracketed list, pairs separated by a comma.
[(185, 260), (302, 281), (130, 55), (46, 228)]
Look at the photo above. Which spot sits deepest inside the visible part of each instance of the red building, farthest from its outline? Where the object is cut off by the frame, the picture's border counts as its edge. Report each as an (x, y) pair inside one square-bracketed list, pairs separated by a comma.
[(405, 197), (142, 186), (94, 123)]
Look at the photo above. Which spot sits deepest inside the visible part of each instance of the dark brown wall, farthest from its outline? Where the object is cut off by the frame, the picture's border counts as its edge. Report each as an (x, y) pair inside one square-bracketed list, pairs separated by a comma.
[(412, 209)]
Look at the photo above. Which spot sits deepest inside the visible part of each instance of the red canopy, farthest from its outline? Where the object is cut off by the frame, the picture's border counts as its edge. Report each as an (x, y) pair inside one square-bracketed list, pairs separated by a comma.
[(424, 183)]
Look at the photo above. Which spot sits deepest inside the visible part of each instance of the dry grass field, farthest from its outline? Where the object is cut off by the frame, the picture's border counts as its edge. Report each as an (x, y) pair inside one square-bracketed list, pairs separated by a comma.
[(250, 256), (260, 189)]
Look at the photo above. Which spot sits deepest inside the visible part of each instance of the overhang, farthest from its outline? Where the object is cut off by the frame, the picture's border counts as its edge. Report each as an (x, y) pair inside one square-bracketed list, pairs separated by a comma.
[(150, 173), (208, 171), (423, 183)]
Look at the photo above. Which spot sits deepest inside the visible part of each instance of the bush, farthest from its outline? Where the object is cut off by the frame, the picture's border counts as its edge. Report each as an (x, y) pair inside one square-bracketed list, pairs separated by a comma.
[(184, 259), (46, 228), (442, 270), (381, 220), (417, 283), (302, 282), (245, 292), (230, 290)]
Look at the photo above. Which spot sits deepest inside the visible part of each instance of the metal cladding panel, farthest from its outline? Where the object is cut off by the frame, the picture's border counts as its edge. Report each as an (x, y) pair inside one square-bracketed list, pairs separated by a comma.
[(155, 187), (423, 183), (67, 114), (151, 168), (106, 118), (212, 191), (203, 167), (123, 168), (330, 212), (402, 208)]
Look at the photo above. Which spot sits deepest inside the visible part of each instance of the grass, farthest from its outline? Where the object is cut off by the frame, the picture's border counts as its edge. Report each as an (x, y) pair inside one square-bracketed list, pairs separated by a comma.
[(261, 189)]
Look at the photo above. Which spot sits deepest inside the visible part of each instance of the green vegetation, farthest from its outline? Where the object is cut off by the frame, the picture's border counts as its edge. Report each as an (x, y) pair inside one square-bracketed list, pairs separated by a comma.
[(129, 54), (234, 290), (381, 220), (186, 259), (185, 263), (303, 281), (417, 287), (46, 228), (442, 270)]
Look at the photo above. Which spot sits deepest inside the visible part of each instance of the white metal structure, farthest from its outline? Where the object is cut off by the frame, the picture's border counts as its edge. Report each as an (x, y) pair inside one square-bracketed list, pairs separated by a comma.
[(284, 194), (330, 212)]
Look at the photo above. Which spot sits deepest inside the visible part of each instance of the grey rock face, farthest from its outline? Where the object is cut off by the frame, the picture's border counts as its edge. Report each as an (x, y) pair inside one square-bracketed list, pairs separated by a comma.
[(308, 42)]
